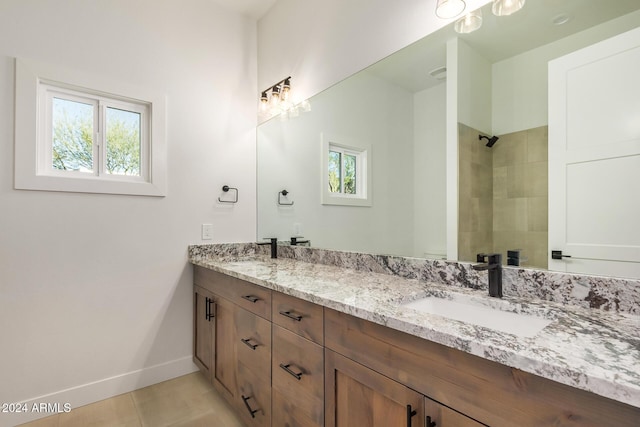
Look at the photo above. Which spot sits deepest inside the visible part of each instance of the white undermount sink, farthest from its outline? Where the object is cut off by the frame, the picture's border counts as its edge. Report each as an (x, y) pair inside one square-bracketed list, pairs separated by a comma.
[(479, 313)]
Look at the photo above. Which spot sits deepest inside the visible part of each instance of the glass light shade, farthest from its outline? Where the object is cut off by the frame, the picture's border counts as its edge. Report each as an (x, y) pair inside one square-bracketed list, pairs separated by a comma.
[(264, 102), (275, 96), (506, 7), (446, 9), (305, 105), (469, 23), (286, 89)]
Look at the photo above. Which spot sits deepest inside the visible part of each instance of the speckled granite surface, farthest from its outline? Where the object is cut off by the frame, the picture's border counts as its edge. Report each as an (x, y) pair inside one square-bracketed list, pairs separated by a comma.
[(597, 350)]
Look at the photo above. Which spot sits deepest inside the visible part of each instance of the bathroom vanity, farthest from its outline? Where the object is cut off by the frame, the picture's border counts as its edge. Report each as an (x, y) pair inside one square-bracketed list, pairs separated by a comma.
[(295, 343)]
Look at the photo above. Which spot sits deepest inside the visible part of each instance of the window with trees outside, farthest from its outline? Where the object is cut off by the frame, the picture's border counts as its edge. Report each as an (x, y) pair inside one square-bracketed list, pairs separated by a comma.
[(346, 172), (343, 171), (93, 134), (81, 132)]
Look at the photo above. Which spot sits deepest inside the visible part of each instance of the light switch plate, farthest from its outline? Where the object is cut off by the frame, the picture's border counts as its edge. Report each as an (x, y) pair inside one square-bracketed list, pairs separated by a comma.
[(207, 231)]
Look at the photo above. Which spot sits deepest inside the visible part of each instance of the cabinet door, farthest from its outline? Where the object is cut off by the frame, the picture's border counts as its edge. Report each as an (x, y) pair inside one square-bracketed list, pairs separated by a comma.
[(441, 416), (224, 358), (203, 330), (297, 380), (358, 396), (253, 343)]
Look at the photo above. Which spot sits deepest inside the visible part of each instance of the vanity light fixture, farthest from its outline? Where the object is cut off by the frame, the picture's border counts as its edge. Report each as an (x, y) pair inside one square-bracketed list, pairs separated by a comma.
[(469, 22), (506, 7), (446, 9), (276, 100), (276, 94)]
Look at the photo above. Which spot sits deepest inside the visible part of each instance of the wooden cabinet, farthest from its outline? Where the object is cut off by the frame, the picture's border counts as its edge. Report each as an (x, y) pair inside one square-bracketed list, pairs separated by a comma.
[(297, 362), (214, 340), (253, 298), (362, 397), (224, 349), (232, 342), (286, 362), (489, 392), (358, 396), (300, 317), (297, 379), (438, 415), (203, 330), (254, 367)]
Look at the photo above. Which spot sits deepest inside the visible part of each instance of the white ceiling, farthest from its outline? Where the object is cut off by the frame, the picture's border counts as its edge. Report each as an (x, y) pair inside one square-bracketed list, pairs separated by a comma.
[(253, 8), (499, 38)]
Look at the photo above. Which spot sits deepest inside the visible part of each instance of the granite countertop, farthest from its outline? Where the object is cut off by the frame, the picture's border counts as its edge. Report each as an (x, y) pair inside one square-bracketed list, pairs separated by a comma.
[(593, 350)]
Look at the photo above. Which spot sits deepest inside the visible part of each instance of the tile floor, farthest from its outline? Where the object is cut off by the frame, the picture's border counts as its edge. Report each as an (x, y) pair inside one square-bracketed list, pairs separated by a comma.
[(187, 401)]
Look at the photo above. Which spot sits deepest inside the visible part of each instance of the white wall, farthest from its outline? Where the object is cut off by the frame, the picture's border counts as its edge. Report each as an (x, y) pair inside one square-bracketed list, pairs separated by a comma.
[(474, 89), (363, 108), (520, 83), (95, 290), (429, 171), (320, 42)]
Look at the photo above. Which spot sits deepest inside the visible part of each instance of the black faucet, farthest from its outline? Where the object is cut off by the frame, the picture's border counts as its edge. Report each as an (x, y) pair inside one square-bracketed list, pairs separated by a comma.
[(295, 241), (273, 241), (492, 263)]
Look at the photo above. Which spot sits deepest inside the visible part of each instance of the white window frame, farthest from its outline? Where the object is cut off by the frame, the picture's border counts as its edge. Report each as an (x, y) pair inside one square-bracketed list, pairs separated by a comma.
[(362, 152), (37, 84)]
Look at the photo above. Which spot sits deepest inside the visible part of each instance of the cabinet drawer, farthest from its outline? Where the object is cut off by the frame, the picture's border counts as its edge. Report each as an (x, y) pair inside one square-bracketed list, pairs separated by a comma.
[(254, 398), (253, 335), (299, 316), (247, 295), (298, 373)]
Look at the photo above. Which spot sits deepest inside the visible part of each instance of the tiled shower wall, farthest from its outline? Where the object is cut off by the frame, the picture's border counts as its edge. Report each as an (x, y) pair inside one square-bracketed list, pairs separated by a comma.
[(475, 195), (513, 210)]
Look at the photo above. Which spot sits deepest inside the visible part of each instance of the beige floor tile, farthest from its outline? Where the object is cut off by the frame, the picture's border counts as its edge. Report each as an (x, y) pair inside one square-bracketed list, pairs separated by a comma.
[(51, 421), (176, 401), (187, 401), (221, 415), (117, 411)]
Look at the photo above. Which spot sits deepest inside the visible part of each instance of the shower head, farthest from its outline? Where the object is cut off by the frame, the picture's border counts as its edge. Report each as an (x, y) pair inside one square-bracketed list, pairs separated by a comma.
[(491, 140)]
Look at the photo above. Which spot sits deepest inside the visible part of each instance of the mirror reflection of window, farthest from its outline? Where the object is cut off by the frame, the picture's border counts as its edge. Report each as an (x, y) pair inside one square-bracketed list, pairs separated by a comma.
[(343, 171), (335, 169)]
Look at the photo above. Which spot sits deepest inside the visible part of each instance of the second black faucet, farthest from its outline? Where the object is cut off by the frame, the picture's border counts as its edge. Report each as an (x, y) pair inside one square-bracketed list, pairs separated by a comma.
[(273, 242), (492, 263)]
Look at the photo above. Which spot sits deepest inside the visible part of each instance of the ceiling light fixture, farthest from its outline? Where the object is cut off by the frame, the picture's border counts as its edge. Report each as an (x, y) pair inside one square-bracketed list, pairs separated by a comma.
[(439, 73), (506, 7), (561, 19), (469, 22), (447, 9)]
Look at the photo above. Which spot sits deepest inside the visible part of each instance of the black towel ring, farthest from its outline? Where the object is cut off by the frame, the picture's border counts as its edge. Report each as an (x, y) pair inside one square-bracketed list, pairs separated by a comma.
[(226, 189), (283, 193)]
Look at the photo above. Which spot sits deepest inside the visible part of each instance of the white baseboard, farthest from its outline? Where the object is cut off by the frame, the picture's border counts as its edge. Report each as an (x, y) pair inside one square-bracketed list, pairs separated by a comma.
[(98, 390)]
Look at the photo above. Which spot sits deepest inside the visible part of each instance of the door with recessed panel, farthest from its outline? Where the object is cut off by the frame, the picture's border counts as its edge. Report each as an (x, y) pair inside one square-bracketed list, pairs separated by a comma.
[(594, 159), (359, 396)]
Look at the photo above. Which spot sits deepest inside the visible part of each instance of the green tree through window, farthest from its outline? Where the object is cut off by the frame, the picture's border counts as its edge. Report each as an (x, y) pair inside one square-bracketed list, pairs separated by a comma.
[(73, 130)]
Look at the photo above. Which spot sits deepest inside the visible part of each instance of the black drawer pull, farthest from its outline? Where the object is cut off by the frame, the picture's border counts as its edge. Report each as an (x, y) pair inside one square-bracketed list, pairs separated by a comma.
[(248, 344), (251, 298), (291, 316), (208, 312), (410, 414), (298, 376), (251, 411), (430, 423)]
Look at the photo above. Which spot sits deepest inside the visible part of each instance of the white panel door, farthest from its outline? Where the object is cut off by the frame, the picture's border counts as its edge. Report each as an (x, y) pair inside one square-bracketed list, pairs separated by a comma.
[(594, 158)]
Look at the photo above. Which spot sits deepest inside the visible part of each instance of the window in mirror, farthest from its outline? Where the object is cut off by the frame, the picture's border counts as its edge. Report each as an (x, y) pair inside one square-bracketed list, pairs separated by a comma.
[(345, 172)]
